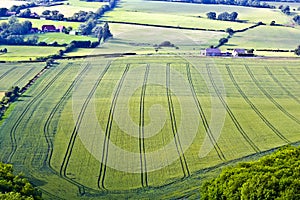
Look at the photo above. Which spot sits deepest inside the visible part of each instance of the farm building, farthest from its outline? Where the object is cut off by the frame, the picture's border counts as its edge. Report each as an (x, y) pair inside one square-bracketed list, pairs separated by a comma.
[(211, 52), (242, 52), (74, 32), (48, 28), (61, 28)]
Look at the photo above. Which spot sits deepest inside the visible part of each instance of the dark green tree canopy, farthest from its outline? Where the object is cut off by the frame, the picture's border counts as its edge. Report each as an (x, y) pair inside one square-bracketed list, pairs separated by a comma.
[(276, 176)]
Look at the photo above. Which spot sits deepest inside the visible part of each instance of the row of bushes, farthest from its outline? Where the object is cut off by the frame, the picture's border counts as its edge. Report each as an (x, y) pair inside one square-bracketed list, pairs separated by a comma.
[(10, 96)]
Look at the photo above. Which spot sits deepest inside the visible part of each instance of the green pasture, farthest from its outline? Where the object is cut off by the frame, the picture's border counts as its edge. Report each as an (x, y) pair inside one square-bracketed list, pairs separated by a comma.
[(17, 53), (10, 3), (61, 38), (247, 105), (186, 14), (266, 37), (17, 74)]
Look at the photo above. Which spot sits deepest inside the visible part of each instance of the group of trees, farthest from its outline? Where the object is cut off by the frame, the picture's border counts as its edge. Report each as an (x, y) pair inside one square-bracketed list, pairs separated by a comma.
[(225, 16), (16, 8), (91, 28), (52, 15), (3, 50), (13, 31), (285, 9), (10, 96), (297, 19), (16, 186), (275, 176)]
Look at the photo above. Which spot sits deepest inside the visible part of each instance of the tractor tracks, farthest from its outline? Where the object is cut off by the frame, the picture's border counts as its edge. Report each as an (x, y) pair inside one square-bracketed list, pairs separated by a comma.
[(230, 113), (47, 134), (25, 110), (144, 175), (254, 108), (280, 85), (67, 156), (7, 72), (102, 171), (285, 112), (179, 149), (203, 116)]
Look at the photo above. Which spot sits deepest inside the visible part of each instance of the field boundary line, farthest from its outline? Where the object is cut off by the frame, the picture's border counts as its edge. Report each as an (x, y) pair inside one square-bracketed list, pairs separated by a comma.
[(270, 97), (35, 99), (144, 175), (102, 172), (233, 118), (203, 116), (280, 85), (180, 152), (66, 159), (51, 115), (254, 108)]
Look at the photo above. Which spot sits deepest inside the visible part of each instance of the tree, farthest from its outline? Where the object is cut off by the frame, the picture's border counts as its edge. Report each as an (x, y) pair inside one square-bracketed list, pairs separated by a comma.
[(106, 32), (275, 176), (3, 12), (297, 51), (233, 16), (273, 23), (230, 31), (15, 187), (223, 41), (46, 12), (211, 15)]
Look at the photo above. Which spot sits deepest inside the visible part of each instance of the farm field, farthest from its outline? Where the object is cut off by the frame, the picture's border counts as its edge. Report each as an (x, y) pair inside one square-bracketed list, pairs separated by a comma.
[(61, 38), (187, 15), (138, 126), (266, 37), (17, 74), (10, 3), (17, 53)]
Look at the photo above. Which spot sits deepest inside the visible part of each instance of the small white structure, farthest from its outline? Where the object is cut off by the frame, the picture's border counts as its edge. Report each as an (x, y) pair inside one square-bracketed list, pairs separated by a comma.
[(237, 52)]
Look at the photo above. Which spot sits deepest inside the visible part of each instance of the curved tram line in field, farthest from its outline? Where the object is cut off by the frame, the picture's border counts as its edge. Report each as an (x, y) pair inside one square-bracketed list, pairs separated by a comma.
[(23, 76), (233, 118), (19, 120), (47, 134), (202, 115), (144, 175), (270, 97), (7, 72), (66, 159), (180, 152), (281, 86), (254, 108), (101, 177), (291, 75)]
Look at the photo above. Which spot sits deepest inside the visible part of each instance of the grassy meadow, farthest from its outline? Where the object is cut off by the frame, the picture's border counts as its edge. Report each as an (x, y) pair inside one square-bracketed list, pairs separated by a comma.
[(248, 105)]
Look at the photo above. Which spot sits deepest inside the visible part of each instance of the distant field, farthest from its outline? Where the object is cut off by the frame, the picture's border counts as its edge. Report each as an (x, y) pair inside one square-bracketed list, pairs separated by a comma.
[(62, 38), (10, 3), (39, 23), (266, 37), (186, 14), (16, 53), (69, 10), (82, 115)]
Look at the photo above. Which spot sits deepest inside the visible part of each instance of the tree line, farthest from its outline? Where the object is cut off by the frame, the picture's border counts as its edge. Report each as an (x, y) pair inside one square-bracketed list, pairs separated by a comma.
[(9, 97), (225, 16), (275, 176)]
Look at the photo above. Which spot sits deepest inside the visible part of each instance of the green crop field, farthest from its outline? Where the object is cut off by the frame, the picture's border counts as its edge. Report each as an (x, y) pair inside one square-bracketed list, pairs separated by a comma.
[(135, 127), (266, 37), (17, 74), (187, 15), (17, 53), (62, 38)]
